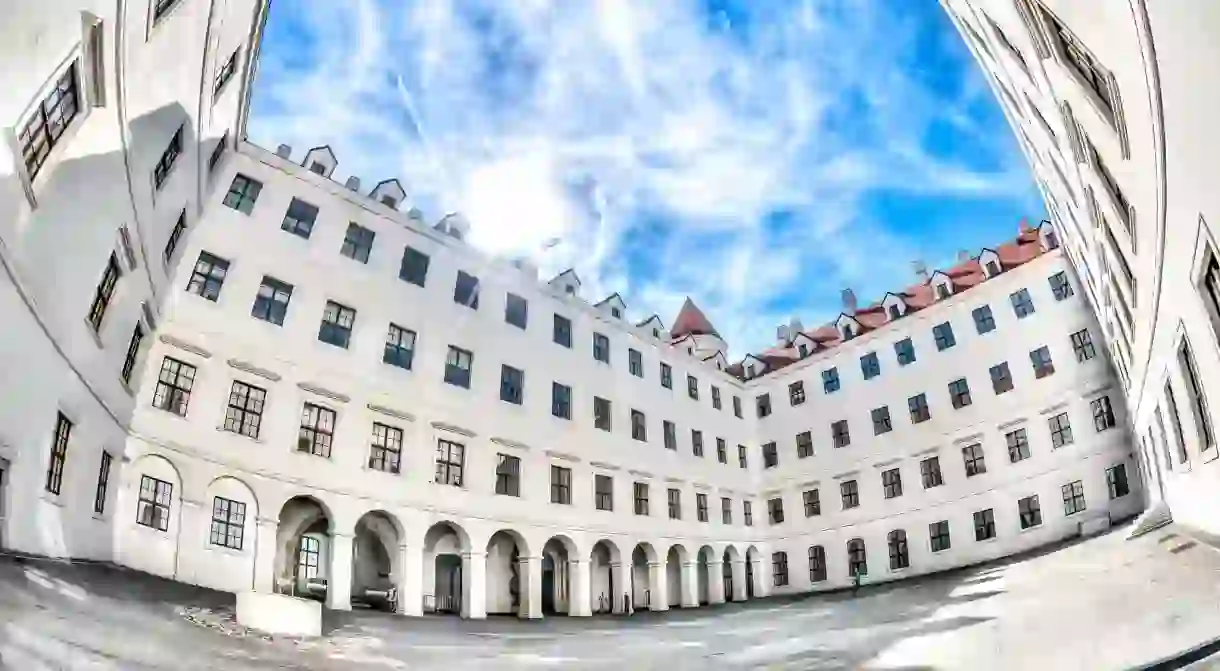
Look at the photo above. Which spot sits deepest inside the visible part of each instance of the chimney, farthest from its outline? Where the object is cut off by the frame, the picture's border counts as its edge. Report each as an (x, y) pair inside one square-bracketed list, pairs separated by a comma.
[(782, 337), (795, 327), (1024, 226), (284, 151), (921, 270), (849, 302), (963, 256), (353, 183)]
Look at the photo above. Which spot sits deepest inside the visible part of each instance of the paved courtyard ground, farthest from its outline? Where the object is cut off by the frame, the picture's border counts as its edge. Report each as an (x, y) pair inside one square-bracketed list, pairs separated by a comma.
[(1104, 603)]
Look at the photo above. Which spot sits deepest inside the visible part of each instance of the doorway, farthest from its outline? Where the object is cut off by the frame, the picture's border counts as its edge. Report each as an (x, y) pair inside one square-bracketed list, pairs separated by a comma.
[(548, 586)]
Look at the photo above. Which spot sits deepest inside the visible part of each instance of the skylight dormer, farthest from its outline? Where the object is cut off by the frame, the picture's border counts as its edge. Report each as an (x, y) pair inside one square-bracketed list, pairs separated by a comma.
[(655, 326), (566, 283), (942, 285), (389, 193), (320, 161), (612, 306), (894, 306), (989, 260)]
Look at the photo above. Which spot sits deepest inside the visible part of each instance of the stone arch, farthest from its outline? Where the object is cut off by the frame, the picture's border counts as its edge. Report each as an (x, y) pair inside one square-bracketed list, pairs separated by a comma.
[(609, 585), (446, 555), (151, 510), (506, 579), (378, 568), (303, 542)]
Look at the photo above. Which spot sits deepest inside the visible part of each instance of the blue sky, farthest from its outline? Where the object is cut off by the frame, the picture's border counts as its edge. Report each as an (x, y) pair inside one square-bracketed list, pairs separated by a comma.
[(757, 155)]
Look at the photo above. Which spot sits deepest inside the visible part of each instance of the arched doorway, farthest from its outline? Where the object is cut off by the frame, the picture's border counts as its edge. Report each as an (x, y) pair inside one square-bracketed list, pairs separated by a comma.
[(376, 561), (729, 563), (753, 588), (557, 552), (507, 583), (703, 587), (443, 584), (645, 575), (303, 548), (675, 566), (606, 595)]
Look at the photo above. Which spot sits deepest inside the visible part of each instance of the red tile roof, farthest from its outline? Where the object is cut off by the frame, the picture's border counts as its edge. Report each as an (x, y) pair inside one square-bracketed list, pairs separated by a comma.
[(692, 321)]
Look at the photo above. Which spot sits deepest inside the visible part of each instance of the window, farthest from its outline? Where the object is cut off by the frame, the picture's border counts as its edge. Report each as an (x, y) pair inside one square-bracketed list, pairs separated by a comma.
[(899, 557), (839, 433), (943, 334), (1103, 413), (104, 292), (466, 290), (813, 505), (243, 194), (770, 455), (721, 451), (512, 384), (715, 397), (747, 513), (601, 348), (972, 455), (271, 302), (639, 427), (414, 267), (228, 523), (796, 393), (561, 332), (993, 269), (726, 510), (1060, 287), (675, 504), (640, 490), (208, 276), (1001, 378), (742, 460), (561, 401), (169, 157), (984, 525), (959, 393), (804, 444), (737, 407), (226, 73), (939, 533), (508, 475), (300, 218), (1203, 422), (696, 440), (47, 125), (601, 413), (1116, 481), (309, 557), (399, 347), (244, 412), (817, 563), (830, 380), (849, 491), (337, 322), (891, 483), (458, 364), (103, 482), (1090, 72), (775, 511), (174, 385), (1018, 445), (1022, 304), (984, 321), (152, 508), (516, 311), (669, 434), (701, 507), (171, 245), (133, 352), (1041, 360), (357, 243), (386, 450), (905, 351), (59, 453), (218, 152), (929, 470), (1172, 403), (635, 362), (561, 485), (1073, 497), (692, 387), (857, 559), (764, 405), (870, 367), (317, 430), (942, 290), (917, 405), (1061, 430), (450, 462), (881, 420), (779, 568), (1082, 345), (1029, 511)]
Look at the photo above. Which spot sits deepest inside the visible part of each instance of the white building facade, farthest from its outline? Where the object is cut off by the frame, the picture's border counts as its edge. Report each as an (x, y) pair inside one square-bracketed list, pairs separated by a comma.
[(1110, 104), (247, 374)]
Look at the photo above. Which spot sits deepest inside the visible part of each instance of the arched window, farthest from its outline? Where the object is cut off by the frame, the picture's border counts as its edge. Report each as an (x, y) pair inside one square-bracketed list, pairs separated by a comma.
[(857, 561), (817, 563), (899, 558)]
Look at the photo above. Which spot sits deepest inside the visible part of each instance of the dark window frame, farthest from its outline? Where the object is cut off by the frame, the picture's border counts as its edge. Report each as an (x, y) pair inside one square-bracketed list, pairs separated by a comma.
[(316, 434), (930, 473), (508, 475), (357, 242), (58, 457), (450, 463), (244, 409), (174, 385), (338, 322), (228, 524), (272, 300), (385, 448), (156, 497)]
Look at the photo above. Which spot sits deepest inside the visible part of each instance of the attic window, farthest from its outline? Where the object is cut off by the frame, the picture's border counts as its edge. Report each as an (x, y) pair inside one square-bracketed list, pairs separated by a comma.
[(803, 349), (389, 201), (690, 350), (993, 269), (570, 289), (616, 313), (895, 313), (656, 333), (750, 371), (942, 290), (317, 168)]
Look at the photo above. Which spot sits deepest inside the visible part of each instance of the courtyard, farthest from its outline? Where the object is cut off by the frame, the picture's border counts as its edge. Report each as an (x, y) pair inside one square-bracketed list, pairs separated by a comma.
[(1101, 603)]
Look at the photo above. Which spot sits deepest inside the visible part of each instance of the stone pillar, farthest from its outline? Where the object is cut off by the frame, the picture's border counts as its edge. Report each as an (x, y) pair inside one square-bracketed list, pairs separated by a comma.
[(474, 585), (529, 607), (690, 584), (658, 597), (621, 577), (339, 578), (715, 582), (762, 586), (578, 593), (264, 555), (409, 580), (739, 580)]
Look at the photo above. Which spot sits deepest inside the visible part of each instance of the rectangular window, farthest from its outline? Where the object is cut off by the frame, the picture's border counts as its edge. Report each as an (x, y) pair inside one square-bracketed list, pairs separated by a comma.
[(466, 290), (317, 431), (891, 483), (804, 444), (943, 334), (849, 491), (796, 393), (763, 403), (929, 470), (133, 353), (775, 511), (300, 218), (309, 557), (601, 413), (870, 366), (667, 376), (226, 73), (984, 525), (1041, 360), (1198, 403), (674, 498), (830, 380), (905, 351), (561, 332), (669, 434), (715, 397), (450, 463), (59, 453), (208, 276), (244, 411), (640, 491), (701, 507), (1073, 497), (47, 125), (174, 384), (1029, 512), (516, 311), (959, 393), (726, 510), (692, 387), (228, 523), (812, 501), (747, 513), (737, 407), (1061, 430), (171, 245), (337, 323), (917, 405), (770, 455), (1001, 378), (512, 384), (1022, 304), (1082, 345), (561, 401), (639, 427), (385, 452), (899, 552), (1172, 404), (635, 362), (104, 292), (984, 321), (1018, 445), (414, 267), (857, 558), (508, 475), (1060, 286), (561, 485), (742, 459), (103, 483), (271, 301), (696, 441), (458, 364), (357, 243), (169, 157), (1116, 481), (939, 533), (972, 456), (399, 347), (601, 348), (779, 568), (839, 433), (722, 451), (817, 564), (881, 420), (243, 194), (152, 508)]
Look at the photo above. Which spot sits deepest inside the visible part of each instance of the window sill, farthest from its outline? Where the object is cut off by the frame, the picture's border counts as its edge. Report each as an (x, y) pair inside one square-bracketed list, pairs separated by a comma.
[(993, 539), (53, 499), (220, 549), (1030, 529), (234, 433)]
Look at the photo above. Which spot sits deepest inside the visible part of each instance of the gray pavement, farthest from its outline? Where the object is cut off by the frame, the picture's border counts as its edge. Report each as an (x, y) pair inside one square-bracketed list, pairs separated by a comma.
[(1103, 603)]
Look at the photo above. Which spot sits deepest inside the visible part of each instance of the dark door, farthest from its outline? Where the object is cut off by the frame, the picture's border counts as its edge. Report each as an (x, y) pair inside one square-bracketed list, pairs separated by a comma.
[(548, 586), (749, 579), (728, 581)]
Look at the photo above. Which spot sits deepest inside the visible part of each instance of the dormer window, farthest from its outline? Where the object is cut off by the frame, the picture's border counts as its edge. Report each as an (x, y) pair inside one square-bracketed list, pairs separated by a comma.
[(317, 168), (895, 313), (570, 290), (803, 349), (656, 333), (993, 269), (616, 313), (389, 201), (847, 333), (942, 291)]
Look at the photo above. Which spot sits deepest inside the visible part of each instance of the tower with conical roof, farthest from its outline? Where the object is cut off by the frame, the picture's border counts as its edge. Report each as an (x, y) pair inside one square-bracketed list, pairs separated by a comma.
[(692, 328)]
